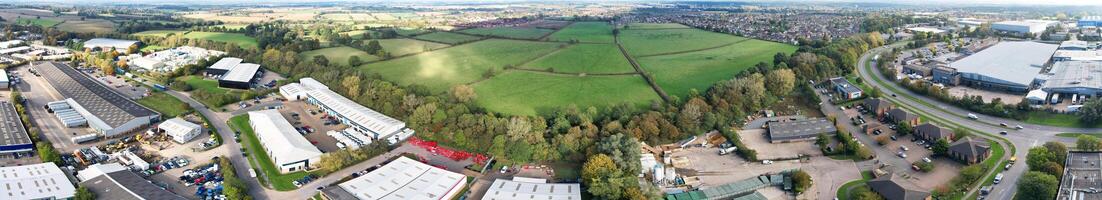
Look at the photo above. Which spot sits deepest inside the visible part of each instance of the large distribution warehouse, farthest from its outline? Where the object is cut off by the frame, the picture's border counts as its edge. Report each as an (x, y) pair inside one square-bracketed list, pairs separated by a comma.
[(231, 73), (35, 181), (104, 109), (1025, 26), (108, 43), (403, 178), (13, 134), (360, 118), (1009, 66), (289, 150), (1075, 77)]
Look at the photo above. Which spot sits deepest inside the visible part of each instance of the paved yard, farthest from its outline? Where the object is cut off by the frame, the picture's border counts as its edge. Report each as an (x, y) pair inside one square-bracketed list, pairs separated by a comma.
[(714, 169), (987, 95), (756, 139)]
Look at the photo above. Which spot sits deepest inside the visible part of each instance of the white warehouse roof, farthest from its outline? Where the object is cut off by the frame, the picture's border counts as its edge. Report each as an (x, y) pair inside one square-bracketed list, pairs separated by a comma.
[(280, 137), (105, 43), (1013, 62), (35, 181), (405, 178), (243, 72), (180, 129), (226, 63), (523, 189), (358, 114)]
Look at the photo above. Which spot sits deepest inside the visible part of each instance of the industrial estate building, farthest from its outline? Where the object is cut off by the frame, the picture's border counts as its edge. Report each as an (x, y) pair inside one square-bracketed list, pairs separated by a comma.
[(171, 59), (103, 44), (232, 73), (844, 88), (35, 181), (521, 188), (180, 130), (13, 134), (1081, 172), (1024, 26), (102, 108), (1008, 66), (114, 181), (1075, 77), (288, 149), (799, 130), (969, 150), (402, 178), (359, 118), (5, 81), (1095, 21)]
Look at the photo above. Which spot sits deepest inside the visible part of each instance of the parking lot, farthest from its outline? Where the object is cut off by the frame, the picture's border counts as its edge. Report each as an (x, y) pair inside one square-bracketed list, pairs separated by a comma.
[(758, 140), (890, 156), (714, 169), (309, 118)]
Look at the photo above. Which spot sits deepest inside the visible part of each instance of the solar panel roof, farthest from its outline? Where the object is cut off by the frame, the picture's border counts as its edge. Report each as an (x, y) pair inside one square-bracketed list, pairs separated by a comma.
[(103, 102), (11, 126)]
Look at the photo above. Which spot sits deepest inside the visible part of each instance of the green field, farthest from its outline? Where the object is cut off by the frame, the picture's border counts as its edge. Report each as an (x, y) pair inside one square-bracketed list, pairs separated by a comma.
[(338, 55), (678, 73), (38, 22), (440, 70), (409, 31), (585, 32), (655, 26), (447, 37), (256, 152), (584, 58), (357, 33), (510, 32), (165, 104), (149, 48), (87, 26), (158, 33), (199, 83), (398, 47), (236, 38), (231, 26), (664, 41), (529, 93)]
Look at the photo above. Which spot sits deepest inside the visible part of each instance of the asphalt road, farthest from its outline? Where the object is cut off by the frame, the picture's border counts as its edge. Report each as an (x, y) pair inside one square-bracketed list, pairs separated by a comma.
[(1032, 134)]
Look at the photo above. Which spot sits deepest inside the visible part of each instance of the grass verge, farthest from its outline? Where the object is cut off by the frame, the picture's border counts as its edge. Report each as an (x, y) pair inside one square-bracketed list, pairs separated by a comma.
[(165, 104)]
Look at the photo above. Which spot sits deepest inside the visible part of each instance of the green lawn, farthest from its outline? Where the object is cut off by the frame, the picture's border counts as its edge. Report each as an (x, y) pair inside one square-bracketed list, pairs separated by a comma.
[(584, 58), (447, 37), (165, 104), (281, 182), (678, 73), (847, 188), (87, 26), (236, 38), (585, 32), (442, 69), (510, 32), (199, 83), (1076, 135), (398, 47), (1056, 119), (655, 26), (338, 55), (531, 93), (158, 33), (663, 41), (149, 48), (409, 31), (38, 22)]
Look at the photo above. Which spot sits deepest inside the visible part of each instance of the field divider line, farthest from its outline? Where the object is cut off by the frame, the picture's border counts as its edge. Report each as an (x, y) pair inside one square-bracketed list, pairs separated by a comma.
[(654, 85), (574, 74), (544, 37), (381, 59), (696, 50)]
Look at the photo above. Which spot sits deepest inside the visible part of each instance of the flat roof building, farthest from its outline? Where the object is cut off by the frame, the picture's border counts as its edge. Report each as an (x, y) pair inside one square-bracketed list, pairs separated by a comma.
[(5, 81), (893, 187), (521, 188), (1081, 172), (1010, 66), (1024, 26), (35, 181), (108, 43), (13, 134), (115, 182), (845, 88), (240, 77), (799, 130), (106, 111), (10, 43), (402, 178), (359, 117), (1095, 21), (180, 130), (930, 30), (222, 66), (288, 149), (1075, 77)]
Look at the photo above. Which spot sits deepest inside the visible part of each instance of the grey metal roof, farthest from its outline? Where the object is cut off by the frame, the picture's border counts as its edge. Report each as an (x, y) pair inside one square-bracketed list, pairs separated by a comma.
[(103, 102), (891, 187), (735, 188), (126, 185), (933, 131), (226, 63), (800, 128), (845, 84), (969, 147), (11, 126), (243, 72), (108, 43), (877, 104), (1075, 74), (1014, 62), (752, 196)]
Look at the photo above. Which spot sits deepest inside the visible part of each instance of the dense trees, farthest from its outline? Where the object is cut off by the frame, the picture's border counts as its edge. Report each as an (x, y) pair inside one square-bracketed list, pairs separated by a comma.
[(1037, 185), (84, 194), (1091, 110), (1087, 143), (604, 179), (941, 147)]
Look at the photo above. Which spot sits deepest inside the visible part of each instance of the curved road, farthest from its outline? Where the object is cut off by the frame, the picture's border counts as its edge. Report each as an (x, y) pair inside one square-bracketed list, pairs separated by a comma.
[(1031, 135)]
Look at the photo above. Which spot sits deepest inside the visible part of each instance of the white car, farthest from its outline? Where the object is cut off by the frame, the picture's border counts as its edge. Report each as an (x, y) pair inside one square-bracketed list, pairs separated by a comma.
[(926, 159), (902, 155), (973, 116), (504, 169), (766, 162)]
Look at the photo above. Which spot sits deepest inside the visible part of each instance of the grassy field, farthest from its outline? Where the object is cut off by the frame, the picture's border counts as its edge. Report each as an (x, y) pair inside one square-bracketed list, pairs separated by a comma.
[(236, 38), (510, 32), (1056, 119), (585, 32), (357, 33), (651, 42), (447, 37), (158, 33), (655, 26), (1076, 135), (87, 26), (584, 58), (165, 104), (678, 73), (149, 48), (38, 22), (199, 83), (398, 47), (440, 70), (281, 182), (529, 93), (339, 54), (409, 31)]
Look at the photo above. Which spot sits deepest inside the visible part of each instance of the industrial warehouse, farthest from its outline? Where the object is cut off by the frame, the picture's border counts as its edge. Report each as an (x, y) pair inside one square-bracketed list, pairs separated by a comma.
[(1007, 66), (287, 149), (13, 134), (231, 73), (35, 181), (103, 44), (522, 188), (403, 178), (799, 130), (103, 109), (171, 59), (360, 118)]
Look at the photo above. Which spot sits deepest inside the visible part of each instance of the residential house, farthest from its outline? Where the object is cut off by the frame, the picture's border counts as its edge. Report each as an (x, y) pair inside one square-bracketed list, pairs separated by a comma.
[(892, 187), (932, 133), (902, 116), (878, 106), (969, 150)]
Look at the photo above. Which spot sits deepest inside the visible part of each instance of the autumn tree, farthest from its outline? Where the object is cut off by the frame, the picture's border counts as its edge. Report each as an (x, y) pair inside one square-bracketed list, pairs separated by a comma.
[(801, 180), (352, 84), (780, 82), (603, 178), (463, 93)]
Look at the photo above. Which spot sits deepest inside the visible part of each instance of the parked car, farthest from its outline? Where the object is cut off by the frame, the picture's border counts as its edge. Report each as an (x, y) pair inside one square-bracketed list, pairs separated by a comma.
[(901, 154), (766, 162), (927, 159), (894, 138)]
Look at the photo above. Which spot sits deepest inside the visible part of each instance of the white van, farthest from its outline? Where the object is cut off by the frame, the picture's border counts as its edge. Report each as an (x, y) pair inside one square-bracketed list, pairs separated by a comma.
[(998, 177)]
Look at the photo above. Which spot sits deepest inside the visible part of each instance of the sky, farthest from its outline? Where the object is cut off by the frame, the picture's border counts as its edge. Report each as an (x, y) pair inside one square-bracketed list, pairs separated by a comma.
[(917, 2)]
